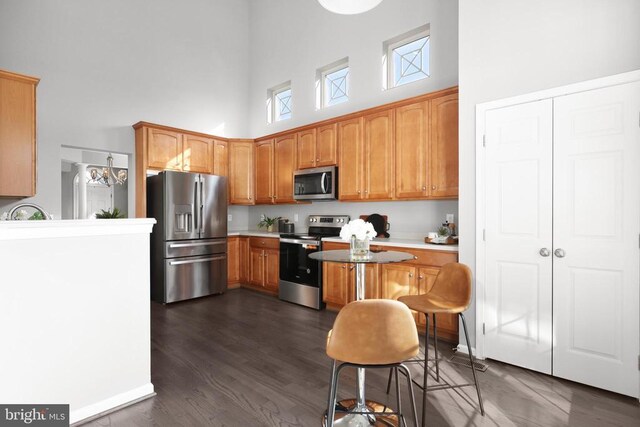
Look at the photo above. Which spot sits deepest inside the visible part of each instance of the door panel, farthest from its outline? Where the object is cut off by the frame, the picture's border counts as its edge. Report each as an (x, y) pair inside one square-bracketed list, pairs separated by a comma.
[(264, 172), (351, 161), (197, 154), (241, 173), (164, 149), (518, 166), (412, 133), (271, 269), (220, 157), (378, 154), (597, 223), (306, 149), (256, 270), (327, 145), (285, 163), (213, 219), (443, 156), (180, 205), (335, 288)]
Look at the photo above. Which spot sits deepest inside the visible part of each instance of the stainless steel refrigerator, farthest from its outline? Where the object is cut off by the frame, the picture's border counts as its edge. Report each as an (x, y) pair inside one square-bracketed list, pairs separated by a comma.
[(189, 241)]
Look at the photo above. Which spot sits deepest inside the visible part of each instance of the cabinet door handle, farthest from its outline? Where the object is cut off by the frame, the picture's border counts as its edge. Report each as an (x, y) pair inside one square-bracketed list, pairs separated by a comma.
[(358, 191), (433, 187), (420, 277), (410, 274), (351, 267), (317, 160), (545, 252), (343, 267), (560, 253), (424, 188)]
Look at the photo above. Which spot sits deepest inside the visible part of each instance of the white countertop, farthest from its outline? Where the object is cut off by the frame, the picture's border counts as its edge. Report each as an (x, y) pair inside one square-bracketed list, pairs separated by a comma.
[(17, 230), (402, 243), (415, 243)]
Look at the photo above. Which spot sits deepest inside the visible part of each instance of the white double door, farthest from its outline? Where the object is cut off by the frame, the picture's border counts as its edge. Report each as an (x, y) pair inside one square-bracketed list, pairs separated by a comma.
[(562, 218)]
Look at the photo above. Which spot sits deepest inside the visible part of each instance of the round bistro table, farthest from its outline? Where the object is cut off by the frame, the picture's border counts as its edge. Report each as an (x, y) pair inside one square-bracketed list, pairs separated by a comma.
[(360, 404)]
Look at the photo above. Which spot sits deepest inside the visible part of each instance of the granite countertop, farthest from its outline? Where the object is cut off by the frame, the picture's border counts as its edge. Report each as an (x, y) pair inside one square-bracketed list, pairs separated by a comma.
[(415, 243)]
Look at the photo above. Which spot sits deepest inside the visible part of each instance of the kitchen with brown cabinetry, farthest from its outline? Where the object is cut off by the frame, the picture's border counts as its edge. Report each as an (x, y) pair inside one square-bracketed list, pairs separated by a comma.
[(417, 112)]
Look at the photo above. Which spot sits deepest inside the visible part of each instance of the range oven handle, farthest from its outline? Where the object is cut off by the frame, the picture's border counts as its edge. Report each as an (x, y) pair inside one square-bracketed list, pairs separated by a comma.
[(322, 183), (300, 241), (193, 261)]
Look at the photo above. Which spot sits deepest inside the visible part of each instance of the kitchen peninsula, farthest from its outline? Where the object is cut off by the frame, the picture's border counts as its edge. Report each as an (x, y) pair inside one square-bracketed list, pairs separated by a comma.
[(74, 313)]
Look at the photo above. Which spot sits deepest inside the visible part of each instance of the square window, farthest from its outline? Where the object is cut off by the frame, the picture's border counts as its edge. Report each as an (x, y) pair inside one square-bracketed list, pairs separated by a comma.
[(279, 103), (332, 84), (283, 104), (406, 58)]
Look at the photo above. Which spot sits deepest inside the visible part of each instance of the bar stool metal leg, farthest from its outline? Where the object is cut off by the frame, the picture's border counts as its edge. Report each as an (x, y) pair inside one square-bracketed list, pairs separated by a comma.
[(426, 370), (331, 405), (401, 420), (411, 395), (473, 368), (435, 346)]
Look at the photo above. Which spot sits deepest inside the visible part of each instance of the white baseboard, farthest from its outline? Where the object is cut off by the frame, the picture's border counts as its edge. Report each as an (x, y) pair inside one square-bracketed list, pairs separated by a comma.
[(103, 407), (464, 349)]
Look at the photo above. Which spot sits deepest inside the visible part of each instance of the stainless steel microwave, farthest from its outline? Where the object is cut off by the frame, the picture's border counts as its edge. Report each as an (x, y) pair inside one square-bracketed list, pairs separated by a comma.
[(316, 184)]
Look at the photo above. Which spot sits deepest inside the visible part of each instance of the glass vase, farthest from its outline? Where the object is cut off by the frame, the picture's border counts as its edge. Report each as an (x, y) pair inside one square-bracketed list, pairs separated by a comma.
[(359, 248)]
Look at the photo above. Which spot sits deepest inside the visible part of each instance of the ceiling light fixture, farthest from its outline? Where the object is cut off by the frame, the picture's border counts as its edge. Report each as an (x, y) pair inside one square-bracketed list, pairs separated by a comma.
[(108, 176), (349, 7)]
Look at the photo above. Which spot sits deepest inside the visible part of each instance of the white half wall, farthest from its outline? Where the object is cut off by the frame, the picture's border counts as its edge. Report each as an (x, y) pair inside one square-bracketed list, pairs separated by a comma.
[(291, 39), (105, 65), (510, 48)]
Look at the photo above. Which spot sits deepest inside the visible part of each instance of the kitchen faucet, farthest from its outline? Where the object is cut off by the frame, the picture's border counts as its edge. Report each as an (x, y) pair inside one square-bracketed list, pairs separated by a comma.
[(44, 213)]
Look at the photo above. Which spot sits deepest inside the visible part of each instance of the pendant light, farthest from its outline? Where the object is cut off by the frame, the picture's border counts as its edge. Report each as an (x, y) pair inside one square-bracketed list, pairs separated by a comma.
[(349, 7)]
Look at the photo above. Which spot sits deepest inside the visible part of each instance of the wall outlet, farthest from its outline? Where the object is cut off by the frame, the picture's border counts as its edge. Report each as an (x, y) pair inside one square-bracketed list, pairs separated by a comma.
[(450, 218), (295, 217), (229, 217), (261, 217)]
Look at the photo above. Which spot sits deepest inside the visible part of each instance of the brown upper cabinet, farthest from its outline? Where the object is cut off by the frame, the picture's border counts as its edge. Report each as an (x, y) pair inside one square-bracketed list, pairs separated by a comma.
[(285, 164), (426, 149), (17, 135), (275, 163), (444, 146), (366, 157), (168, 150), (220, 157), (412, 146), (317, 147), (241, 172), (264, 172)]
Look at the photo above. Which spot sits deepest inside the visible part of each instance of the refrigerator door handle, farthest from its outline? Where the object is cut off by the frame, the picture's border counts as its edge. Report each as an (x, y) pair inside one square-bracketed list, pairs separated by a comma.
[(193, 261), (195, 244), (196, 203), (201, 215)]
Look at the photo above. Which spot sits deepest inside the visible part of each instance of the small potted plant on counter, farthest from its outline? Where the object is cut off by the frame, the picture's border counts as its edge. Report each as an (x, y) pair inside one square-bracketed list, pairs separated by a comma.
[(109, 214), (268, 223)]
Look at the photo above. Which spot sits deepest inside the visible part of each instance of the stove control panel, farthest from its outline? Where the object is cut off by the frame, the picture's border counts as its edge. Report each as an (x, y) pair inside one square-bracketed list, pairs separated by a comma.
[(327, 220)]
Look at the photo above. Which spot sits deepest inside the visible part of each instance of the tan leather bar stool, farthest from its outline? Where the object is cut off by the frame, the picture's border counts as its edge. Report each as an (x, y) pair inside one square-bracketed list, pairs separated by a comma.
[(451, 293), (372, 333)]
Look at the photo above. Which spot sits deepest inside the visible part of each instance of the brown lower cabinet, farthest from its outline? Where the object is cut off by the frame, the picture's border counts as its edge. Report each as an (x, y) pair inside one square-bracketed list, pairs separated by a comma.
[(263, 264), (233, 262), (391, 281)]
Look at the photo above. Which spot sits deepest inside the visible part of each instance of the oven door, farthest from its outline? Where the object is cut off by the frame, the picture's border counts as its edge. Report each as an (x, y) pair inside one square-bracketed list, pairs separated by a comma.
[(295, 264)]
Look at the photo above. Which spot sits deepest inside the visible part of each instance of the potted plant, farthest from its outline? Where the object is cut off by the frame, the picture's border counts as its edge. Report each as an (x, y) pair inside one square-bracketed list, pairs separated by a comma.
[(109, 214), (268, 223)]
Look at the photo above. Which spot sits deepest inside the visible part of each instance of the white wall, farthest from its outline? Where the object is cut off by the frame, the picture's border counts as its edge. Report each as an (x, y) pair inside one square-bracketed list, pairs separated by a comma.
[(511, 47), (291, 39), (105, 65)]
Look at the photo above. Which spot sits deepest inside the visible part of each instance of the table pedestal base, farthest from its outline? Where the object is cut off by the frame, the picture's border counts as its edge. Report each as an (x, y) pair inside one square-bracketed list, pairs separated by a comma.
[(343, 419)]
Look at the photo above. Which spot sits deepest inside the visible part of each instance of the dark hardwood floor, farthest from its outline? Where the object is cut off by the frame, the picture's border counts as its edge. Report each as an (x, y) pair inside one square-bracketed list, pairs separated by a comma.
[(247, 359)]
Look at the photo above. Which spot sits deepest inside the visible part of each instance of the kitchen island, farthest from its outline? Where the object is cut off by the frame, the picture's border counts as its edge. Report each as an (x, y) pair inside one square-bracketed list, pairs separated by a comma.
[(75, 313)]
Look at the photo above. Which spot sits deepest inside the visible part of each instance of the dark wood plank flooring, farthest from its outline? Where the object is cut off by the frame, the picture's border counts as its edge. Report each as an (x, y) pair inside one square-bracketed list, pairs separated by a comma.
[(248, 359)]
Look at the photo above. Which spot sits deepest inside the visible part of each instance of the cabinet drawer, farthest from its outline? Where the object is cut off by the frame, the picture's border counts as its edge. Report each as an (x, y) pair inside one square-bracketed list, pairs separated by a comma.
[(264, 242)]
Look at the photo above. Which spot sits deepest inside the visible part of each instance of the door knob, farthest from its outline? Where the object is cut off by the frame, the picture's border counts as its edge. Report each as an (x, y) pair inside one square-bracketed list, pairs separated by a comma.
[(560, 253), (433, 187), (545, 252)]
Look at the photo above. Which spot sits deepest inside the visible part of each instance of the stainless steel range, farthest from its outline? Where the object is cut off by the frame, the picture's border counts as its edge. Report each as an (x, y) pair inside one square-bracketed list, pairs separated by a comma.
[(300, 276)]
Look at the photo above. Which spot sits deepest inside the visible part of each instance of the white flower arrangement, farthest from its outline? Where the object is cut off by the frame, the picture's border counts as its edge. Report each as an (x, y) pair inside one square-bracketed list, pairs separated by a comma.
[(359, 228), (21, 215)]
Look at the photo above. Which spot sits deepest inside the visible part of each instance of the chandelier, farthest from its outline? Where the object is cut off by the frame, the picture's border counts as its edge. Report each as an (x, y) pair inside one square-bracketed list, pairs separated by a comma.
[(349, 7), (108, 177)]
